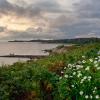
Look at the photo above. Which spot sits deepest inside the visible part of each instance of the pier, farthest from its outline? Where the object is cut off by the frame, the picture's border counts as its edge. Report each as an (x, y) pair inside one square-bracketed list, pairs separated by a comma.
[(25, 56)]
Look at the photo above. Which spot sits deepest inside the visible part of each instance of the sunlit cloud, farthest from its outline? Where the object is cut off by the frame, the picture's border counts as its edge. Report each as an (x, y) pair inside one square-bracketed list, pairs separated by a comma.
[(49, 18), (14, 23)]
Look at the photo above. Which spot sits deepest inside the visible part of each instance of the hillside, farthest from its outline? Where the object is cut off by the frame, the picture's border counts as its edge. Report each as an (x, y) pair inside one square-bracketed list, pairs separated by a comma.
[(74, 40), (72, 75)]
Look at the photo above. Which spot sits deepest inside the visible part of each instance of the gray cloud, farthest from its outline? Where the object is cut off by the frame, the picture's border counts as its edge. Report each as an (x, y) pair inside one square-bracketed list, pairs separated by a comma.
[(88, 8), (8, 8), (36, 9), (80, 19)]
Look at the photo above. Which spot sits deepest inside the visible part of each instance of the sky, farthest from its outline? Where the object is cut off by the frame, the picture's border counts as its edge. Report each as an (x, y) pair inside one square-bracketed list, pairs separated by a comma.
[(49, 19)]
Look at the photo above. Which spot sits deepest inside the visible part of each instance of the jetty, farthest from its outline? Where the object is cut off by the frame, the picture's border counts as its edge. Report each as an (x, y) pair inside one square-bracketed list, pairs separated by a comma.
[(24, 56)]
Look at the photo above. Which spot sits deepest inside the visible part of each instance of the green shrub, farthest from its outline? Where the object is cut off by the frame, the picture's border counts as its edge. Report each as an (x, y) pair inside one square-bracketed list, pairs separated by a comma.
[(81, 80)]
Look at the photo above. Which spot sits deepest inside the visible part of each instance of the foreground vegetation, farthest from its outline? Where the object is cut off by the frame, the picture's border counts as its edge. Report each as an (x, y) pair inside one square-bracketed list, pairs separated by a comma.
[(74, 75)]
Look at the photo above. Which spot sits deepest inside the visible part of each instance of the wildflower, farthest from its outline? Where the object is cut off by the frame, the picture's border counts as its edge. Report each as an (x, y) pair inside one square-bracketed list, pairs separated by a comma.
[(79, 75), (83, 56), (69, 65), (82, 81), (62, 72), (95, 88), (89, 77), (96, 65), (66, 76), (99, 60), (85, 77), (95, 62), (91, 96), (60, 78), (96, 58), (98, 68), (74, 73), (64, 67), (91, 60), (94, 91), (83, 61), (72, 85), (79, 66), (81, 93), (86, 97), (87, 68), (74, 66), (97, 96)]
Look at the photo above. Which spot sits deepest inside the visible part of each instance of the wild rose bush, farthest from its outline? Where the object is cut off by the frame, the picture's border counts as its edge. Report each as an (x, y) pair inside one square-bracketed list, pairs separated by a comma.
[(81, 80)]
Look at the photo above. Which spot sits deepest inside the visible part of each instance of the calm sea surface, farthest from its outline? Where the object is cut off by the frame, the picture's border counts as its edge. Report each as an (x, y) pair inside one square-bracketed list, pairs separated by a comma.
[(22, 48)]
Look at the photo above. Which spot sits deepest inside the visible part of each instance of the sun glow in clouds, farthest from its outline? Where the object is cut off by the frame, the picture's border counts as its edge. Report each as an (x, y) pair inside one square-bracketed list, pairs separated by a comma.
[(15, 24)]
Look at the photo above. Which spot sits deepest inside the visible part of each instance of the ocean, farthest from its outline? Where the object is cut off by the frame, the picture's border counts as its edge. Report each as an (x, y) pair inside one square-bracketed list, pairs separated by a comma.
[(22, 48)]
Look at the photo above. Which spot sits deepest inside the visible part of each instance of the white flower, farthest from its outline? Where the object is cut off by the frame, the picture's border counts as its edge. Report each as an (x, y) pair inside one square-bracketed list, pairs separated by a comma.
[(83, 56), (87, 68), (91, 60), (89, 77), (69, 65), (65, 67), (95, 88), (94, 91), (72, 85), (95, 62), (79, 66), (60, 78), (86, 97), (82, 81), (83, 61), (81, 92), (74, 73), (66, 76), (91, 96), (96, 58), (97, 96), (96, 65), (98, 68), (62, 72), (99, 60), (79, 75), (85, 77)]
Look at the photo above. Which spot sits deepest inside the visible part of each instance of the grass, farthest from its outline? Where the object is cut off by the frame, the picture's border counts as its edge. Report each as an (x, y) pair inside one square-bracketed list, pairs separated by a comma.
[(45, 78)]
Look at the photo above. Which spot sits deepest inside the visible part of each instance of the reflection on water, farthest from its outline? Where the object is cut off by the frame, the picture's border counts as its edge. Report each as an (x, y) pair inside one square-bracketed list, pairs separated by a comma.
[(22, 48)]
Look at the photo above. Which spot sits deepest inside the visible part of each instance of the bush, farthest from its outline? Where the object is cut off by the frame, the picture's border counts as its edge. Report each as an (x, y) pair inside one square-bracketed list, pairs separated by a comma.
[(81, 80)]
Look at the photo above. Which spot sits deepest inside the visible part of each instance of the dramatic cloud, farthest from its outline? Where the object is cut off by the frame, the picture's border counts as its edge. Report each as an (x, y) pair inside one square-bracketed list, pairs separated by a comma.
[(27, 19)]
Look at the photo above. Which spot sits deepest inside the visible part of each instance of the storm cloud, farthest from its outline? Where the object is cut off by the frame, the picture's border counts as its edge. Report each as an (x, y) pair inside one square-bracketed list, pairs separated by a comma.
[(26, 19)]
